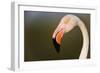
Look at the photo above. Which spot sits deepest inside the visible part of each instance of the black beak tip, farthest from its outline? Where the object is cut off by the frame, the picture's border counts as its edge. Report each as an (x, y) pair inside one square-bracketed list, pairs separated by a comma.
[(56, 45)]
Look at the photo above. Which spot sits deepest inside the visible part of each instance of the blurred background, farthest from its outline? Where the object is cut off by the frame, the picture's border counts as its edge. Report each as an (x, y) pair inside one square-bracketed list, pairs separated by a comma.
[(38, 30)]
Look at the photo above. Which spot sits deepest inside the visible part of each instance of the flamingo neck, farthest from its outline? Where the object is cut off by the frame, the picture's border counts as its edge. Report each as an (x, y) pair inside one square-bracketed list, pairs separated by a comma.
[(85, 47)]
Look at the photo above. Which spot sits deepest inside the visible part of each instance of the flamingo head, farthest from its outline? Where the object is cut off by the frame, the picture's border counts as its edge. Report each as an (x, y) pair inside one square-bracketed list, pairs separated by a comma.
[(66, 24)]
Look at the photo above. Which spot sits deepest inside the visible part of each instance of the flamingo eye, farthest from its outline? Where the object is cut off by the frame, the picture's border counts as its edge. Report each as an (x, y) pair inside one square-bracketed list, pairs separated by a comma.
[(65, 20)]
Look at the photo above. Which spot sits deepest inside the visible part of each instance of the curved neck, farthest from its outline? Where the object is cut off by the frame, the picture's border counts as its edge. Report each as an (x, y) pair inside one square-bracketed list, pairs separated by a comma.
[(85, 47)]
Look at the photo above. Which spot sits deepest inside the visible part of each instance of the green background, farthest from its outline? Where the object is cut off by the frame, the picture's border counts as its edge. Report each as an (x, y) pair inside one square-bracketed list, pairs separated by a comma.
[(38, 30)]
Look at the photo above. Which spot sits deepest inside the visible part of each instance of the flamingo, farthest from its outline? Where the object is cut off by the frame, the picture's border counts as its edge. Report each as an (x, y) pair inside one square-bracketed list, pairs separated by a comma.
[(67, 23)]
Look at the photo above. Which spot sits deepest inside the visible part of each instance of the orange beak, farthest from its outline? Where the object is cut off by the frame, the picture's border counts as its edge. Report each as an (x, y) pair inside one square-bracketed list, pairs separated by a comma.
[(59, 37), (57, 40)]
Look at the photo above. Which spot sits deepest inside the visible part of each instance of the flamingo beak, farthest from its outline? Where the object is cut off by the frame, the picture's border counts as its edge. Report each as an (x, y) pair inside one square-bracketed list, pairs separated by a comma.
[(57, 40)]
